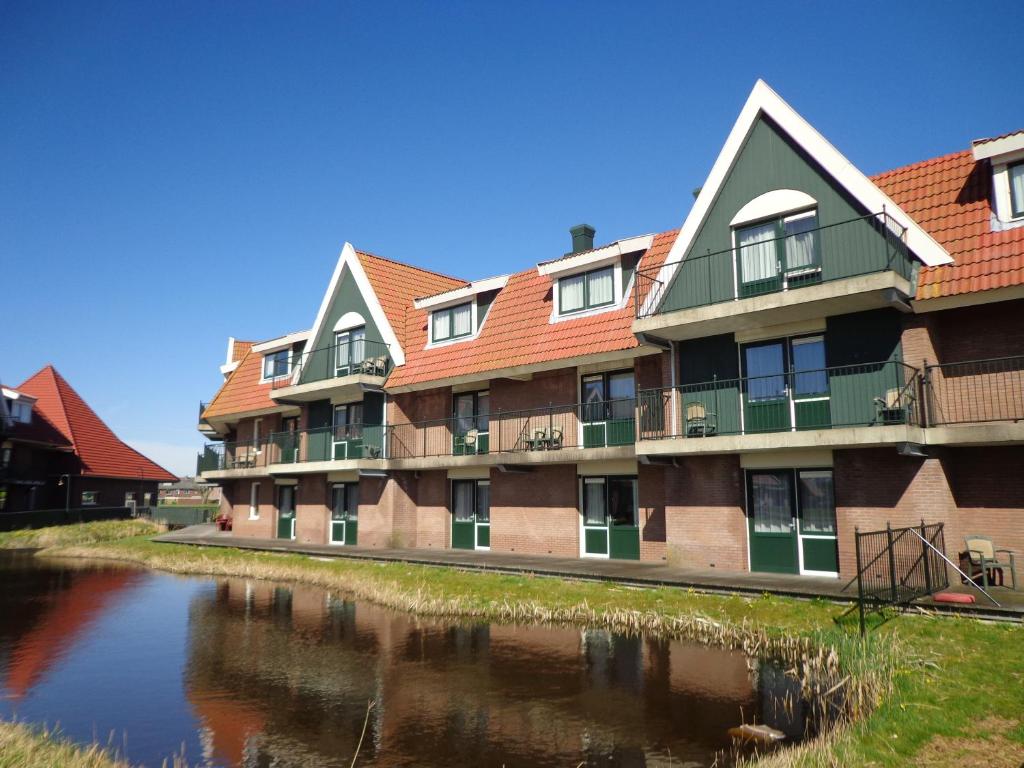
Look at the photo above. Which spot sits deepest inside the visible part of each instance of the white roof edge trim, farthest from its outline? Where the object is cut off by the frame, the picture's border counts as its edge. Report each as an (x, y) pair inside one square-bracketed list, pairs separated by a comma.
[(465, 292), (231, 351), (774, 203), (272, 345), (348, 258), (573, 263), (763, 100), (996, 147), (14, 394)]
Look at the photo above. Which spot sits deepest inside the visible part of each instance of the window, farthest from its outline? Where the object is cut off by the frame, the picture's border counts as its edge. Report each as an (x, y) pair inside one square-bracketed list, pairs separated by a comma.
[(451, 323), (770, 498), (257, 427), (90, 498), (254, 501), (349, 350), (609, 501), (608, 396), (586, 291), (348, 422), (276, 364), (5, 456), (1015, 174), (817, 507), (472, 411), (21, 411), (344, 501), (129, 498), (767, 251)]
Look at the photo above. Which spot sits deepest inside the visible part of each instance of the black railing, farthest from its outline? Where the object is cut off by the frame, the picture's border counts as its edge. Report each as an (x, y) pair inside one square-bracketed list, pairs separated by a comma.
[(202, 409), (350, 358), (337, 443), (975, 391), (246, 454), (883, 393), (865, 245)]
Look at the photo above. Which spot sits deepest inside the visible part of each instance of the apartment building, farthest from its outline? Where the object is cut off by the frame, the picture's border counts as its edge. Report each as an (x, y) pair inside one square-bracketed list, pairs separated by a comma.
[(812, 351)]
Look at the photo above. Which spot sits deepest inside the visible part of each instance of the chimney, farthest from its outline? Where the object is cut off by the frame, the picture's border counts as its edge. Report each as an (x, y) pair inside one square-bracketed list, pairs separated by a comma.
[(582, 238)]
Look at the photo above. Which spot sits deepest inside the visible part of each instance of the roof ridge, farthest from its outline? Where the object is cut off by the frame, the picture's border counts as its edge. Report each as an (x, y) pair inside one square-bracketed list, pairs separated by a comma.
[(408, 266)]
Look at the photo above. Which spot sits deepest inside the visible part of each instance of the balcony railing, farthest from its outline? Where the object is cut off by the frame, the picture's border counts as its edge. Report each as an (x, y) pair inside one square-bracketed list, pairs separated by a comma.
[(350, 358), (217, 457), (202, 409), (350, 441), (975, 391), (883, 393), (552, 428), (866, 245)]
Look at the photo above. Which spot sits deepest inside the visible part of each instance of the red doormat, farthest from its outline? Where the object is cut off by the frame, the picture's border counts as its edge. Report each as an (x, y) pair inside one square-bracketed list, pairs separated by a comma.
[(952, 597)]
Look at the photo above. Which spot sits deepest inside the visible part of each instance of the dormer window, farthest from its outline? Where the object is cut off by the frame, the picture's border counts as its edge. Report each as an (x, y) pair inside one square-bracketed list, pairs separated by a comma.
[(20, 411), (781, 252), (276, 364), (588, 290), (1015, 175), (451, 322)]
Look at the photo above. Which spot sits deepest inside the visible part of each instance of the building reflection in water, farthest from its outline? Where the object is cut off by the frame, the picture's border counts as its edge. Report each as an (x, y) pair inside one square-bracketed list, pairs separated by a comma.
[(283, 675)]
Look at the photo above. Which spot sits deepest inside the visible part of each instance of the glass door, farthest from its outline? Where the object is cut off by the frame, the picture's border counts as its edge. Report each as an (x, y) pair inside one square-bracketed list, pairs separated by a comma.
[(286, 512), (483, 514), (471, 427), (349, 351), (819, 553), (595, 518), (610, 526), (766, 406), (771, 517), (757, 259), (344, 513), (348, 431), (287, 442), (471, 514), (608, 410), (809, 384)]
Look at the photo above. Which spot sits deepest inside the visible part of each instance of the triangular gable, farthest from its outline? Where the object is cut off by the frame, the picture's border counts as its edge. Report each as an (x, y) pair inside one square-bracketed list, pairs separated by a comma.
[(349, 264), (764, 102)]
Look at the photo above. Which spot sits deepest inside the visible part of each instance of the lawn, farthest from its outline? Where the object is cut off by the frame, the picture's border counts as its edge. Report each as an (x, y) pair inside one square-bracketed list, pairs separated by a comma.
[(925, 690)]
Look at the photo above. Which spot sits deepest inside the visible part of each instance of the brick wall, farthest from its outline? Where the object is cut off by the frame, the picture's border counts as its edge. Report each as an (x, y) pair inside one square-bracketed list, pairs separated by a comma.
[(651, 512), (312, 510), (433, 521), (375, 511), (536, 512), (547, 388), (704, 518), (264, 527)]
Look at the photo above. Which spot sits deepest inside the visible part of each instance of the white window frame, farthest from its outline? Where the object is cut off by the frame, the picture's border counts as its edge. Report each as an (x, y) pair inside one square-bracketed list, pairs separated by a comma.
[(451, 322), (621, 292), (254, 501), (267, 357)]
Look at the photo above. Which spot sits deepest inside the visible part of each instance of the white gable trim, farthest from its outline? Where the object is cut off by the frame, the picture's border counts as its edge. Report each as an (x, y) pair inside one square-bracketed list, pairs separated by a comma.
[(778, 202), (763, 100), (348, 258)]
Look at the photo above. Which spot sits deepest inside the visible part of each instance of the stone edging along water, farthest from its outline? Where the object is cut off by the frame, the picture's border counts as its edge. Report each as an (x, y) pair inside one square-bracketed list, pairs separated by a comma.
[(842, 677)]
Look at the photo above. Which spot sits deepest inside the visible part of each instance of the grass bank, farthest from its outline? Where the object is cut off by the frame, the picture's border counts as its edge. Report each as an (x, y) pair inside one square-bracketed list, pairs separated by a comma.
[(24, 747), (77, 535), (922, 691)]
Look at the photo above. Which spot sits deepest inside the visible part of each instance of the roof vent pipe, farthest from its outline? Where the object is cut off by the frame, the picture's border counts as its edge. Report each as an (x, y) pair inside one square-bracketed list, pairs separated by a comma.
[(582, 238)]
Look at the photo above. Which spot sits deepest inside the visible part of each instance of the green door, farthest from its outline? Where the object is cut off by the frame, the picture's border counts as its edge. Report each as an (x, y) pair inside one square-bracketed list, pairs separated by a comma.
[(471, 423), (286, 512), (809, 383), (348, 432), (771, 517), (483, 514), (757, 259), (608, 411), (609, 518), (286, 442), (463, 514), (344, 513), (766, 406), (817, 521)]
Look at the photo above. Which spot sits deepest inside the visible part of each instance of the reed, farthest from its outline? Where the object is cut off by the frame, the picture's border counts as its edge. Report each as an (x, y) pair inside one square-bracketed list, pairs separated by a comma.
[(24, 747)]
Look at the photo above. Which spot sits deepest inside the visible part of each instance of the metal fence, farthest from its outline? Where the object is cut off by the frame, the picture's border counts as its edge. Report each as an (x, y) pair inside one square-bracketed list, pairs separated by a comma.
[(975, 391), (350, 358)]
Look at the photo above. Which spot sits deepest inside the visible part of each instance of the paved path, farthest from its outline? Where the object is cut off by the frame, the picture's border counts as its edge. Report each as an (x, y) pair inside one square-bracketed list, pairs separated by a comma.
[(630, 572)]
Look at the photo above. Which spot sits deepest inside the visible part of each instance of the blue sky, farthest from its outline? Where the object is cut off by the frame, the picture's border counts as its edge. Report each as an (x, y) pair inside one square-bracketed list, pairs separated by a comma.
[(175, 173)]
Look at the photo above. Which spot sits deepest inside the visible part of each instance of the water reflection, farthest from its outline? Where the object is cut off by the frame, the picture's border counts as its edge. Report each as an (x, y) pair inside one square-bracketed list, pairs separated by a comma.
[(263, 674)]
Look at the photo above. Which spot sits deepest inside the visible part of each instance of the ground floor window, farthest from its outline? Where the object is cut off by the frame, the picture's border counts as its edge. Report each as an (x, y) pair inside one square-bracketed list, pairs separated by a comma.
[(792, 521), (471, 514), (344, 513), (90, 498), (609, 517), (254, 501), (286, 511)]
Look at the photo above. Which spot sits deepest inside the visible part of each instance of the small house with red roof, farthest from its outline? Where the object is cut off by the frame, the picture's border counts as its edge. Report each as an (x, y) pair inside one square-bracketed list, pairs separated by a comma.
[(812, 350), (56, 453)]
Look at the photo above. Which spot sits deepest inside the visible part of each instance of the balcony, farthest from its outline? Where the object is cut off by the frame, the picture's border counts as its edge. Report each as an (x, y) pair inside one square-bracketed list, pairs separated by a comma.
[(977, 402), (340, 370), (235, 459), (204, 426), (845, 406), (553, 434), (320, 449), (851, 266)]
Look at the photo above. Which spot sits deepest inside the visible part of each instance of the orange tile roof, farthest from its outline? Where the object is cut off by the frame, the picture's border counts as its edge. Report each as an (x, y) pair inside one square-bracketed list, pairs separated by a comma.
[(397, 285), (100, 451), (517, 331), (949, 197), (239, 348), (242, 391)]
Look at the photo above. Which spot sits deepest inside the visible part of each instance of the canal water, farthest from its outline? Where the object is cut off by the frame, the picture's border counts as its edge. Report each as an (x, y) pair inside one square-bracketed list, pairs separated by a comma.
[(229, 672)]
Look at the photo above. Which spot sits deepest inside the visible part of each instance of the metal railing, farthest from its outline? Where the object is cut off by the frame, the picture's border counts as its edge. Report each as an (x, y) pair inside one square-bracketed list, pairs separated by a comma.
[(975, 391), (242, 454), (882, 393), (575, 425), (865, 245), (366, 357), (202, 409), (348, 441)]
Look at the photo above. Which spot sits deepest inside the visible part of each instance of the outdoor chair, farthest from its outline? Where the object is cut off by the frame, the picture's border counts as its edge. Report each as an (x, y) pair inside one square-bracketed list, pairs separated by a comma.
[(984, 557), (539, 441), (374, 366), (555, 439), (894, 407), (699, 421)]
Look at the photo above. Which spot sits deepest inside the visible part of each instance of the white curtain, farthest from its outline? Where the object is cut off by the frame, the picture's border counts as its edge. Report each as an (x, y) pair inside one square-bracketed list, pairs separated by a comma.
[(593, 502), (771, 503), (571, 289), (757, 252), (358, 345), (600, 287), (800, 242), (442, 325), (1017, 188), (462, 319)]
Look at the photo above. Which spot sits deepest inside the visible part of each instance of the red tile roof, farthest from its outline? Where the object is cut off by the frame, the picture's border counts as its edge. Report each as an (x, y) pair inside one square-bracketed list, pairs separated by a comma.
[(100, 451), (517, 331), (242, 391), (397, 285), (949, 197), (239, 348)]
